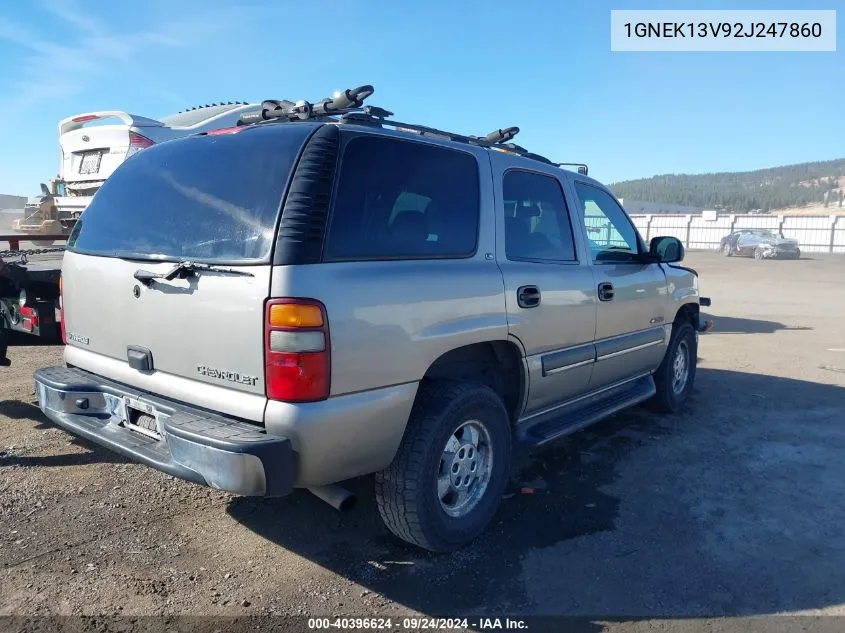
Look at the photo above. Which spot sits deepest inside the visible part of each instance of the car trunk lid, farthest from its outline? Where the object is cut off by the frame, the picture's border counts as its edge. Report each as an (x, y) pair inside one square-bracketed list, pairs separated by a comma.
[(92, 150)]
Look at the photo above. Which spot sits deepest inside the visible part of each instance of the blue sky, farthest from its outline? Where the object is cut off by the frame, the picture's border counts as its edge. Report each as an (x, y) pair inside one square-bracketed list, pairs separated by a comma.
[(468, 66)]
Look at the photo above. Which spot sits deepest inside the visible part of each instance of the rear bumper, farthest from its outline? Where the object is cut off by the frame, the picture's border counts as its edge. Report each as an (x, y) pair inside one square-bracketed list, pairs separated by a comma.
[(194, 445)]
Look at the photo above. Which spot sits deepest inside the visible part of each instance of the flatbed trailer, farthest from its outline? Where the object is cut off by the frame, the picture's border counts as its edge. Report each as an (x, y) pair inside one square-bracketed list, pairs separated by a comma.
[(29, 289)]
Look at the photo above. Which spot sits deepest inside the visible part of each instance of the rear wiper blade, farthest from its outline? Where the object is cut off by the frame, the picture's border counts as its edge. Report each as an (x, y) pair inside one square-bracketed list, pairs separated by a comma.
[(186, 269)]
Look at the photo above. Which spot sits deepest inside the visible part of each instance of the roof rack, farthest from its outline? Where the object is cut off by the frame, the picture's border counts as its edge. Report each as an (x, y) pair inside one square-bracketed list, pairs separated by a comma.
[(582, 168), (349, 106), (340, 103)]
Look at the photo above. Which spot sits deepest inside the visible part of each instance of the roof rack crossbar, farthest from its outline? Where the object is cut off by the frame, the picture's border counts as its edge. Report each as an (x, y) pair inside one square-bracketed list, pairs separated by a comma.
[(582, 168), (492, 140), (502, 136)]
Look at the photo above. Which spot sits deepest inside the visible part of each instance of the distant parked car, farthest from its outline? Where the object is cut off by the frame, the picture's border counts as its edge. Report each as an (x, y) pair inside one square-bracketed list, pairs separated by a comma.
[(759, 244)]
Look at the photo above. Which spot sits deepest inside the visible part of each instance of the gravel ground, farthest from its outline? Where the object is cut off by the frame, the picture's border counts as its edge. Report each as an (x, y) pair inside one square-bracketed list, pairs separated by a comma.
[(732, 508)]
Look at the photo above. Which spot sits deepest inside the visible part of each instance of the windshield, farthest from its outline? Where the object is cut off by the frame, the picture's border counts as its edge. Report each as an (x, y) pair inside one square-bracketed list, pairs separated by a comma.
[(206, 198)]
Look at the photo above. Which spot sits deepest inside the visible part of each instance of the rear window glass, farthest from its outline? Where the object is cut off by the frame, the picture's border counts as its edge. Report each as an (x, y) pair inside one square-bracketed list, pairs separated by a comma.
[(206, 198), (402, 199)]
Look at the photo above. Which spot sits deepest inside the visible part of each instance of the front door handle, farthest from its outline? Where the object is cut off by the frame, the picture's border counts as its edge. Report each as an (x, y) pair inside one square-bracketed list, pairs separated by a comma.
[(605, 291), (528, 296)]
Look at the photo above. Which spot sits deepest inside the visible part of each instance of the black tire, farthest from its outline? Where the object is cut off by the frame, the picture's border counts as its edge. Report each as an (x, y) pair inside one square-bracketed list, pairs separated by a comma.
[(667, 399), (758, 253), (406, 491), (797, 253), (727, 249)]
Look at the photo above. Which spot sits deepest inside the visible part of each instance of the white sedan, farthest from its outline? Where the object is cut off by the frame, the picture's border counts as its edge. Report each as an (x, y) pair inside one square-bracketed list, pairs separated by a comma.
[(93, 147)]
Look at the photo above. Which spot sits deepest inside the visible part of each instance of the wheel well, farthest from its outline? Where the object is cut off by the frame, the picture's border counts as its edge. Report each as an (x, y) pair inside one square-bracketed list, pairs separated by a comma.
[(688, 312), (497, 364)]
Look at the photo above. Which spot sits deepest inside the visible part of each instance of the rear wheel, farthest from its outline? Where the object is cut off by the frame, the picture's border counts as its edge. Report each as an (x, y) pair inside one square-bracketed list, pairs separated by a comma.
[(446, 482), (758, 253), (727, 250), (797, 253), (675, 376)]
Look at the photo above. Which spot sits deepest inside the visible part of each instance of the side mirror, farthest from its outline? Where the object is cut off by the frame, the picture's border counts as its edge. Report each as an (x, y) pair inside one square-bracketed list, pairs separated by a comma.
[(666, 249)]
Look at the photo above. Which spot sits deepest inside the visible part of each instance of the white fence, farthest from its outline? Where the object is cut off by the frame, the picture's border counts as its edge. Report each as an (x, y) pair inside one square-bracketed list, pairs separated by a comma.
[(815, 233)]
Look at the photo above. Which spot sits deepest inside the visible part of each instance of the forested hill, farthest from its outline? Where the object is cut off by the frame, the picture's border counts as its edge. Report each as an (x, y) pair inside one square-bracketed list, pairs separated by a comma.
[(774, 188)]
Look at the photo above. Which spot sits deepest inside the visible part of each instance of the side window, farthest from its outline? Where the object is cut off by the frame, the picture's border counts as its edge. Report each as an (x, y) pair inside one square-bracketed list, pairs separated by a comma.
[(403, 199), (611, 234), (536, 220)]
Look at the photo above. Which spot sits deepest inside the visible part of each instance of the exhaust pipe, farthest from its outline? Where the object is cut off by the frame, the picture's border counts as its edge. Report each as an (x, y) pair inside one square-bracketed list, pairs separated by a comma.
[(336, 496)]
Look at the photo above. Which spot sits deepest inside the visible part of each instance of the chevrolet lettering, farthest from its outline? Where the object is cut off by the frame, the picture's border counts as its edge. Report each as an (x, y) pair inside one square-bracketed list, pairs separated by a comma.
[(222, 374), (76, 338)]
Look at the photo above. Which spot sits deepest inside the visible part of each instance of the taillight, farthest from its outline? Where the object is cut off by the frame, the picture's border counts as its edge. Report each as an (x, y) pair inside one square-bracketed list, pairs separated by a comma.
[(137, 141), (61, 313), (30, 318), (297, 352)]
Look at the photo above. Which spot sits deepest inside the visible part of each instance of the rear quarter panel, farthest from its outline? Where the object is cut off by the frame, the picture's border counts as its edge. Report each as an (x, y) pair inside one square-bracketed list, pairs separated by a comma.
[(389, 321)]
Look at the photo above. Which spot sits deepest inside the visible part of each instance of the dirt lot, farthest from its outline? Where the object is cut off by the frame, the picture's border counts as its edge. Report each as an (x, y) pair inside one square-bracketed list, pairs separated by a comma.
[(732, 509)]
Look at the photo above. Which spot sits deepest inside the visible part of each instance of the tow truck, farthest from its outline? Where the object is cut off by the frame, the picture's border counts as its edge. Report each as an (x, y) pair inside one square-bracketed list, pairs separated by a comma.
[(30, 290)]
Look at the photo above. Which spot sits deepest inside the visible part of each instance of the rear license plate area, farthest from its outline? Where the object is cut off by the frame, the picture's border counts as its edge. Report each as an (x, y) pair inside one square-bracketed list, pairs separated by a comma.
[(141, 417), (90, 163)]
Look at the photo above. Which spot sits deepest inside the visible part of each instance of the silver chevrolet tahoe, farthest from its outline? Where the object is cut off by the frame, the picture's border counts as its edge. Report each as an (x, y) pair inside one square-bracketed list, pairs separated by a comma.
[(323, 293)]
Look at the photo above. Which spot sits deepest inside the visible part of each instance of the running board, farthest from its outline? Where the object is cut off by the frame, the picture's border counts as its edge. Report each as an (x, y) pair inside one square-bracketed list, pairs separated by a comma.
[(546, 427)]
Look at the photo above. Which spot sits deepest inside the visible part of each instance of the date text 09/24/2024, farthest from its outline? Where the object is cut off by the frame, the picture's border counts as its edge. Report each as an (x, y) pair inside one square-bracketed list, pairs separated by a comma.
[(416, 624)]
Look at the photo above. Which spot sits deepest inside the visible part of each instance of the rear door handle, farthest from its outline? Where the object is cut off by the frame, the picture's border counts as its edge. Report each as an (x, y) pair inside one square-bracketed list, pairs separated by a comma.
[(528, 296), (605, 291)]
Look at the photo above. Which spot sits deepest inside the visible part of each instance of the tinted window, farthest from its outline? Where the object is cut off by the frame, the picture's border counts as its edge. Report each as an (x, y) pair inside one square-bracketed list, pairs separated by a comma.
[(536, 220), (209, 198), (403, 199), (612, 236)]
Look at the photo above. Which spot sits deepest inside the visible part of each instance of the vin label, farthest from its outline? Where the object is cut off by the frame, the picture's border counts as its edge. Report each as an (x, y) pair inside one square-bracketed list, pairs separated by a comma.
[(723, 30)]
